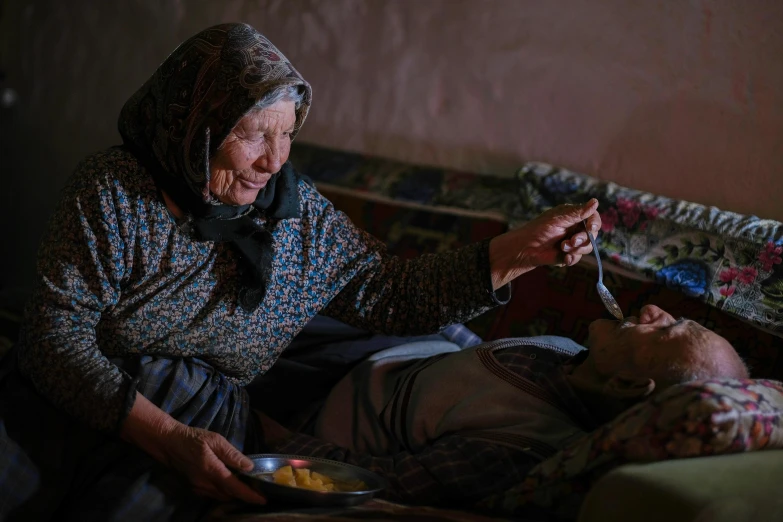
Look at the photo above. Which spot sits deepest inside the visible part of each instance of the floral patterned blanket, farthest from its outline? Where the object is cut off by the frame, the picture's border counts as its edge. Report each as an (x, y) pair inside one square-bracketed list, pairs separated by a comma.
[(728, 260)]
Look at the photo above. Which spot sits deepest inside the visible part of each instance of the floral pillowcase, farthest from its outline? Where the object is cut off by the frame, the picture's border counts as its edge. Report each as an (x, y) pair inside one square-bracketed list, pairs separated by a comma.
[(728, 260), (689, 420)]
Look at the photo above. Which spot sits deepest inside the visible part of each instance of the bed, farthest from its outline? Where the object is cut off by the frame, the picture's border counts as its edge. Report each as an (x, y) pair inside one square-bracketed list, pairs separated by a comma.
[(716, 267)]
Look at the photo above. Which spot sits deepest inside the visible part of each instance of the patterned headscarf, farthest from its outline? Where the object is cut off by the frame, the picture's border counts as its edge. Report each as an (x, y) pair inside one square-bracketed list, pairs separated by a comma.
[(179, 118), (199, 94)]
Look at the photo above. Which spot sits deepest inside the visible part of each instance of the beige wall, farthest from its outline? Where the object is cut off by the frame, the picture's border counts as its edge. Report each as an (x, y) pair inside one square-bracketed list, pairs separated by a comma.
[(683, 98)]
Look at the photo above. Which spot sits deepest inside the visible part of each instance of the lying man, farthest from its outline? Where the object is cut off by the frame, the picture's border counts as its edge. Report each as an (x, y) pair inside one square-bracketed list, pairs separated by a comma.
[(505, 406)]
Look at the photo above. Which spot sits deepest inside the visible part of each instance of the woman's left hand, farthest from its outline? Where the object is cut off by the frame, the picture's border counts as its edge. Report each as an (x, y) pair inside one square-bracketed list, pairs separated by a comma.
[(204, 458), (556, 237)]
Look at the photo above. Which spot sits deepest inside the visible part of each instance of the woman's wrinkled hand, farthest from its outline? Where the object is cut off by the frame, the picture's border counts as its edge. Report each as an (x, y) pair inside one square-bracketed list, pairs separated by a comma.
[(557, 237), (206, 460)]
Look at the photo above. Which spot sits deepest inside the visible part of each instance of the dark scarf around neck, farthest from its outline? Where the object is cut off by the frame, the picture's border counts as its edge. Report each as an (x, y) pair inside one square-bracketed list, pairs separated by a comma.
[(238, 225)]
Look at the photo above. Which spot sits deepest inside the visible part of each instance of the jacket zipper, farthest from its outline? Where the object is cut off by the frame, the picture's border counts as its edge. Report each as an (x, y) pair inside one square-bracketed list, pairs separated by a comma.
[(512, 343)]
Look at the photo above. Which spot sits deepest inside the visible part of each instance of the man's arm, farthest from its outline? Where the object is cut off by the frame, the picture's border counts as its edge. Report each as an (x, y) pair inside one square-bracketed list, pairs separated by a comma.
[(454, 471)]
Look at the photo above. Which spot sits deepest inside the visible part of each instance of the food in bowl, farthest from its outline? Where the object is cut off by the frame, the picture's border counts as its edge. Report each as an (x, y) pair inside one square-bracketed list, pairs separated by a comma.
[(307, 479)]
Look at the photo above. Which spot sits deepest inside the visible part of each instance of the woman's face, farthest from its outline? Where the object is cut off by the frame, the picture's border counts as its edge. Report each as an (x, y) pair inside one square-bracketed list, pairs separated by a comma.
[(254, 151)]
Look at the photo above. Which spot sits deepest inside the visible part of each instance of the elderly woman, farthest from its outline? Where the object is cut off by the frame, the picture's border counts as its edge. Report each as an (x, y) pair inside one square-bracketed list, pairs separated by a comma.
[(180, 265)]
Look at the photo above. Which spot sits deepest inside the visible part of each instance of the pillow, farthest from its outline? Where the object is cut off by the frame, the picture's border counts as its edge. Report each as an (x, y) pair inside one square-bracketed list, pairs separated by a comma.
[(728, 260), (689, 420)]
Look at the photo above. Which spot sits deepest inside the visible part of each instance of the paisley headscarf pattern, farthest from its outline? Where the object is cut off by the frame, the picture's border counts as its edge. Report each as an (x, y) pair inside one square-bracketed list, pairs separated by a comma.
[(199, 94)]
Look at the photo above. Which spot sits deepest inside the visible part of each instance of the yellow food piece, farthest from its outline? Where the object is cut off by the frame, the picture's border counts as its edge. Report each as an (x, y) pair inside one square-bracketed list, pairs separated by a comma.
[(322, 478), (304, 478), (285, 476), (284, 473)]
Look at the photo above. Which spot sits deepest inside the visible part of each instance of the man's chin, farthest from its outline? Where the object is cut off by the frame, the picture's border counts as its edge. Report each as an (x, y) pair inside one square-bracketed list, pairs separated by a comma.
[(599, 328)]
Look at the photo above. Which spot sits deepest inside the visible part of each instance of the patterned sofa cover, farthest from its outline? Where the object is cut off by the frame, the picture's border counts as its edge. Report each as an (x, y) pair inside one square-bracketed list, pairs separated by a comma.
[(727, 260)]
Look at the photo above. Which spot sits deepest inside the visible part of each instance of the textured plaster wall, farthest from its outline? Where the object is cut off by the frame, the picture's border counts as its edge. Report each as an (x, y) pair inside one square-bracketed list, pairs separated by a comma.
[(683, 98)]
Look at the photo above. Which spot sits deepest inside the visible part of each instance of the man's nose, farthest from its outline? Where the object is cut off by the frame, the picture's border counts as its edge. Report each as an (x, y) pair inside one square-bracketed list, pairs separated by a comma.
[(651, 313), (651, 309)]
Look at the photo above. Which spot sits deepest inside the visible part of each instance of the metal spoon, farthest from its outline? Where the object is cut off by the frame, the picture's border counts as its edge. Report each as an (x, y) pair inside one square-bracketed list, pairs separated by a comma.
[(609, 301)]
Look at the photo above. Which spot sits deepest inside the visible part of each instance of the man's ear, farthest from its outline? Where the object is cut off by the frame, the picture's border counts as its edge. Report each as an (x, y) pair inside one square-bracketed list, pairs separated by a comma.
[(626, 386)]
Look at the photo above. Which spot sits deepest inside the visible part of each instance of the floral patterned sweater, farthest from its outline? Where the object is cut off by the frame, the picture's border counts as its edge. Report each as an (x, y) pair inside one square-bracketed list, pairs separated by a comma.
[(117, 276)]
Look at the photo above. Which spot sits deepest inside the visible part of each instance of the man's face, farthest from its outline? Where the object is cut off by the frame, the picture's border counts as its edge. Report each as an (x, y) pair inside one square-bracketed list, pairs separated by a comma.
[(656, 340)]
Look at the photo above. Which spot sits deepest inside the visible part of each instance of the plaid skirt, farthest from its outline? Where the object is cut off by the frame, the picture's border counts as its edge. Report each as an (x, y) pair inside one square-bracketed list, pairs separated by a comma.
[(54, 467)]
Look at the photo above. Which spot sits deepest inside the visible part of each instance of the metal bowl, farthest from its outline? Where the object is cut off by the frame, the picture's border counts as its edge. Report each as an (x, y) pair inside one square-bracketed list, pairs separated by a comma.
[(260, 478)]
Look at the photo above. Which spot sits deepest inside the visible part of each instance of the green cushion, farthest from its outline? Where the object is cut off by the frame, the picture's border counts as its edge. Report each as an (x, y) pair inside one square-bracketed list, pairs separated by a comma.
[(727, 488)]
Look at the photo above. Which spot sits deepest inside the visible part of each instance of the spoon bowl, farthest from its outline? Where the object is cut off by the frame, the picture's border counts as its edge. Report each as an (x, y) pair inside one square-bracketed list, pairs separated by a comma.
[(606, 296)]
